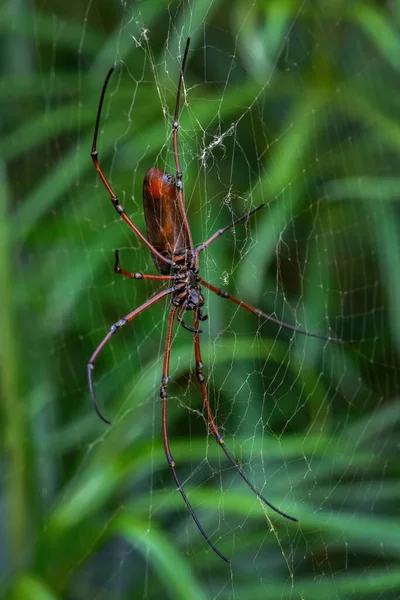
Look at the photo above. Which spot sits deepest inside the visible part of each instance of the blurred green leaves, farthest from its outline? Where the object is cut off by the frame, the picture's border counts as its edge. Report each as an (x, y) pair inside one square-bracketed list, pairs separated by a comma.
[(288, 103)]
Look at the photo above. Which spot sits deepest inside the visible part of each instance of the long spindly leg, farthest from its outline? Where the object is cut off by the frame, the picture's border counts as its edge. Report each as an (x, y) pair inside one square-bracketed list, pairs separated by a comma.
[(114, 198), (218, 233), (175, 127), (180, 320), (170, 460), (119, 271), (109, 335), (260, 313), (214, 429)]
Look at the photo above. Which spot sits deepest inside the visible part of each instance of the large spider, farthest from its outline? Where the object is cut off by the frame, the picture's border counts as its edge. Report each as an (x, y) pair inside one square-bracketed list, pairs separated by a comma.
[(169, 240)]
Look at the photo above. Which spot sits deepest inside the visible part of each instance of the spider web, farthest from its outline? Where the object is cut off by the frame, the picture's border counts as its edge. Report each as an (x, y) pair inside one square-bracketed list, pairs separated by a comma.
[(286, 104)]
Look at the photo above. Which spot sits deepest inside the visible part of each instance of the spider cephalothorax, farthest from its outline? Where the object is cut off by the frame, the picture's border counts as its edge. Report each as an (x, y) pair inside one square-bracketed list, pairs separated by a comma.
[(187, 296), (169, 240)]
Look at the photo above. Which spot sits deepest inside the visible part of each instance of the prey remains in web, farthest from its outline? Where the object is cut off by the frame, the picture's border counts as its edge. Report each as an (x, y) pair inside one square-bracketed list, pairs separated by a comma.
[(169, 240)]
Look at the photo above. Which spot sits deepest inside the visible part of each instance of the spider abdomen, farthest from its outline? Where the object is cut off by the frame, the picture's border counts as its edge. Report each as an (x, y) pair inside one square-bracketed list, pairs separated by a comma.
[(164, 222)]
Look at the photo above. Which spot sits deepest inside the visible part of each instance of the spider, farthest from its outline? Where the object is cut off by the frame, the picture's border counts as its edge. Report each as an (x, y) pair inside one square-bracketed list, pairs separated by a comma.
[(175, 257)]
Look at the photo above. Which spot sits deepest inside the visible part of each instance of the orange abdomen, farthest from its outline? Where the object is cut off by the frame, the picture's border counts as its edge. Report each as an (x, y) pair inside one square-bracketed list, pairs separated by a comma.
[(164, 224)]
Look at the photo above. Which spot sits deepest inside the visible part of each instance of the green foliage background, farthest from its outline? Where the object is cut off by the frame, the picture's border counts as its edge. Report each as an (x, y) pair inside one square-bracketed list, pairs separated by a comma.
[(89, 513)]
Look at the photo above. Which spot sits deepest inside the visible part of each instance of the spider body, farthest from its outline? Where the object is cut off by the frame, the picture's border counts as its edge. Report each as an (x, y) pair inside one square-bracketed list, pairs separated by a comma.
[(188, 297), (175, 257), (164, 223), (166, 232)]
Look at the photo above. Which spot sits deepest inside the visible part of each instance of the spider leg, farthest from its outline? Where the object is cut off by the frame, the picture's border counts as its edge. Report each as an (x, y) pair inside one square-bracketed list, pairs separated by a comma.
[(260, 313), (175, 127), (218, 233), (114, 328), (170, 460), (182, 322), (201, 316), (218, 437), (114, 198), (119, 271)]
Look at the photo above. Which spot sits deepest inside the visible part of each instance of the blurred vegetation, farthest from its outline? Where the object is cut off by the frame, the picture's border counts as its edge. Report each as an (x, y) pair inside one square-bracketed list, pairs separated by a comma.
[(294, 104)]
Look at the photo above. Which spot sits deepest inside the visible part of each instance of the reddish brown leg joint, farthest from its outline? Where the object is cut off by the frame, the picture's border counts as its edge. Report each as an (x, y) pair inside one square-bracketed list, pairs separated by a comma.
[(117, 268), (163, 388), (179, 184), (118, 325), (117, 206), (199, 372)]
